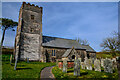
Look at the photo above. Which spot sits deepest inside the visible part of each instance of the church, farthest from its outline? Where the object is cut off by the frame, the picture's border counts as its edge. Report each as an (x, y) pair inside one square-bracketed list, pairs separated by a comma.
[(30, 43)]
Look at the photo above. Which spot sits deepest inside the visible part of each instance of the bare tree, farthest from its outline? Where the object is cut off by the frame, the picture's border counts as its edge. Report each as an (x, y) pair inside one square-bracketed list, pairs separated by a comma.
[(82, 42), (111, 43)]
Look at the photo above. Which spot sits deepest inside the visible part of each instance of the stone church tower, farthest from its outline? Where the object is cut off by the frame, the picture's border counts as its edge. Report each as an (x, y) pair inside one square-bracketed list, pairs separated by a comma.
[(29, 33)]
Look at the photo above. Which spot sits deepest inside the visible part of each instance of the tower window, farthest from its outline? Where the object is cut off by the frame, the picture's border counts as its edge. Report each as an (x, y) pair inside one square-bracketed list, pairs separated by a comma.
[(32, 17)]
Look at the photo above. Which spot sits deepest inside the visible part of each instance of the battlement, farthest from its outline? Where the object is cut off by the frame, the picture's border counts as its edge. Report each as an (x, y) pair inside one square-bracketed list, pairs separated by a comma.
[(32, 7)]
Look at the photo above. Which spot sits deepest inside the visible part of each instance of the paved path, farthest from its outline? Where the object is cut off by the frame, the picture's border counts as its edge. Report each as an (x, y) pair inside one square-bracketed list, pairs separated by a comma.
[(46, 74)]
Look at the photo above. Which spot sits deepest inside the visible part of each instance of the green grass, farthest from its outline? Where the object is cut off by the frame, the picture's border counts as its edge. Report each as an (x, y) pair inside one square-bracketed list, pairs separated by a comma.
[(84, 74), (24, 69), (104, 55), (107, 54)]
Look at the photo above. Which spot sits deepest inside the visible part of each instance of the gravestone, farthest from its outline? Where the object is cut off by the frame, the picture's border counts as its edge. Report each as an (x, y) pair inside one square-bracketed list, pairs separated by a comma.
[(97, 66), (88, 64), (77, 67), (65, 65), (114, 63), (79, 60), (92, 60), (108, 65), (114, 59), (11, 59), (102, 63), (56, 62), (85, 60), (27, 60), (82, 65)]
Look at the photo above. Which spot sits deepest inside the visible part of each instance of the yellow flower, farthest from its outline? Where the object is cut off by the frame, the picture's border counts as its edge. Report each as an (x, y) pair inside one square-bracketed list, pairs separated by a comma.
[(105, 76)]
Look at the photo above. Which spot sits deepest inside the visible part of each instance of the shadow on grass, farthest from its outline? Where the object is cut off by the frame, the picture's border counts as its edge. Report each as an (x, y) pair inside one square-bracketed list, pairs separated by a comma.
[(21, 65), (84, 73), (69, 71), (23, 68), (102, 70), (81, 74), (12, 64)]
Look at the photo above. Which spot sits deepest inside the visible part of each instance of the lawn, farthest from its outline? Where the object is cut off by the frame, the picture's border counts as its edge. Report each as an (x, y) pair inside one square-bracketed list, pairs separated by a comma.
[(106, 54), (24, 69), (84, 74)]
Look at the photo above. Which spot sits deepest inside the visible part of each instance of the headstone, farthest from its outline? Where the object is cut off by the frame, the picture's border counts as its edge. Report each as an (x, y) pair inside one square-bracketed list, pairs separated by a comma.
[(79, 60), (108, 66), (97, 65), (86, 59), (77, 67), (56, 62), (114, 63), (82, 65), (102, 63), (65, 65), (114, 59), (88, 64), (27, 60), (92, 60), (11, 59), (117, 58)]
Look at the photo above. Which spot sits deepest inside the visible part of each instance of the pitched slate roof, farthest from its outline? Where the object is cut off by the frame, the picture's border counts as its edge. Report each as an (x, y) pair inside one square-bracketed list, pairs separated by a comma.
[(88, 48), (49, 41), (67, 53)]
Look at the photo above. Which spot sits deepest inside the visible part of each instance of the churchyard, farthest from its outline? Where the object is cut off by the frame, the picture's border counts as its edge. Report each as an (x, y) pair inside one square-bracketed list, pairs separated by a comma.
[(90, 68)]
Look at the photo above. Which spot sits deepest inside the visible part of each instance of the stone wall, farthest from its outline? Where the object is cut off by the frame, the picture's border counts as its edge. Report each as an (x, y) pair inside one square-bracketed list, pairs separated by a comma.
[(59, 52), (29, 46)]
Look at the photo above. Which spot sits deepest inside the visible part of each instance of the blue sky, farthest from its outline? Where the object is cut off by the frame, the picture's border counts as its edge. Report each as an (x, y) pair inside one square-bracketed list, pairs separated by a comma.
[(93, 21)]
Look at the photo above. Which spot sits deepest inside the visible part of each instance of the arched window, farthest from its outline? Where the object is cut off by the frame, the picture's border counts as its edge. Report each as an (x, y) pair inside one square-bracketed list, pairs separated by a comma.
[(54, 52), (73, 56)]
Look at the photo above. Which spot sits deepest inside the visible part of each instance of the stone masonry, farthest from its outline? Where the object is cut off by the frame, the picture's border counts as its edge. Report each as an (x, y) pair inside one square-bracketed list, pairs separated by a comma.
[(29, 37)]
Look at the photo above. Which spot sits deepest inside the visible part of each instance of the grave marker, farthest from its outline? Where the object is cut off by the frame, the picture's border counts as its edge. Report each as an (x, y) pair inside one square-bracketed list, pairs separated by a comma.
[(88, 64), (108, 66), (82, 65), (77, 67), (97, 65), (102, 63), (10, 59), (114, 63), (27, 60), (65, 65)]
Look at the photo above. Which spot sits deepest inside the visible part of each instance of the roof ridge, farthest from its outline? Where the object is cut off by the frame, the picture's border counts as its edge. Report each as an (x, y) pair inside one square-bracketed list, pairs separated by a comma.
[(60, 38)]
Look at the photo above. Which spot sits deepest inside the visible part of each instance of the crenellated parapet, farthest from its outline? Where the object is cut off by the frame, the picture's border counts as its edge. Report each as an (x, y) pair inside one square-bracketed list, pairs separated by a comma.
[(32, 7)]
